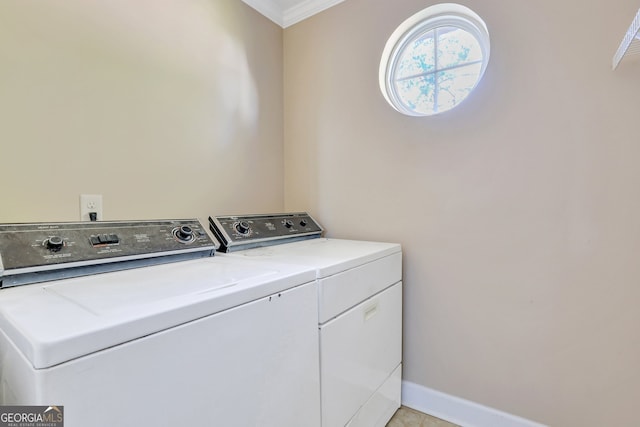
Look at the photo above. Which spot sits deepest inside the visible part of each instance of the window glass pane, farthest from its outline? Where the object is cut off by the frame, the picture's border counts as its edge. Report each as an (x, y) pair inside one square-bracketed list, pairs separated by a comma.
[(418, 94), (418, 57), (456, 47), (455, 84)]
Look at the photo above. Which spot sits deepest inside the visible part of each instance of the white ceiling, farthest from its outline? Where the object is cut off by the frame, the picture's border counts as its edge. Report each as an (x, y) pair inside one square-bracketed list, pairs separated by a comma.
[(288, 12)]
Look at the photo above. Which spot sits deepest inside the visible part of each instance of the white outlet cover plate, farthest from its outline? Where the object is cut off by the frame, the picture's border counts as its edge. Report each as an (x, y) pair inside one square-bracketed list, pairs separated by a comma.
[(90, 203)]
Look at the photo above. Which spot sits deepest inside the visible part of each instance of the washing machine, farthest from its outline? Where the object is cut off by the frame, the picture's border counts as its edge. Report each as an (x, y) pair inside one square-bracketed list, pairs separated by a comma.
[(359, 308), (96, 319)]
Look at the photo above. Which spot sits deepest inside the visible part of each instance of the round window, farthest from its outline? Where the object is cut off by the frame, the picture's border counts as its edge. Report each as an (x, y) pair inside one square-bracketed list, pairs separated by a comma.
[(434, 59)]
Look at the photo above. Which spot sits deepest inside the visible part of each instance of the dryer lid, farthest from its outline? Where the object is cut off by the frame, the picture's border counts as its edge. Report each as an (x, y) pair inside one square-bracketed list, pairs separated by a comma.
[(326, 256)]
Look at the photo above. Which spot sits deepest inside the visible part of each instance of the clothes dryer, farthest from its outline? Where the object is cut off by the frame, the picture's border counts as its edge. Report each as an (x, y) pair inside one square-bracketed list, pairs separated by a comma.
[(359, 308)]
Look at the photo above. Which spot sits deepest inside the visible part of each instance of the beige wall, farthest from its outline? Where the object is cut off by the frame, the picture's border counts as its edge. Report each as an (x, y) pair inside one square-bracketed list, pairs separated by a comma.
[(167, 108), (519, 212)]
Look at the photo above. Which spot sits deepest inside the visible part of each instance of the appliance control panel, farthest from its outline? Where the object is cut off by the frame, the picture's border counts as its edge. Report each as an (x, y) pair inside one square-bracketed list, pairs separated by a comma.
[(37, 252), (249, 231)]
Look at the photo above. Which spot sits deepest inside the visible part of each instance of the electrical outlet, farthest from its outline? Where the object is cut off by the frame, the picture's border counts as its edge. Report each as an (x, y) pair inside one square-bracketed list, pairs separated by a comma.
[(90, 203)]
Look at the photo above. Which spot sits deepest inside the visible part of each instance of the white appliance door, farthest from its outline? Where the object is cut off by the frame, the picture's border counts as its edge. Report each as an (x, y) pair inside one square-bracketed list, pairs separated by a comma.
[(359, 351), (344, 290)]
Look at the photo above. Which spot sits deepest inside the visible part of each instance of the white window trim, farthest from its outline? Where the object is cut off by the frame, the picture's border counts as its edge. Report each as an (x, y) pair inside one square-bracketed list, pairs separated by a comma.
[(439, 15)]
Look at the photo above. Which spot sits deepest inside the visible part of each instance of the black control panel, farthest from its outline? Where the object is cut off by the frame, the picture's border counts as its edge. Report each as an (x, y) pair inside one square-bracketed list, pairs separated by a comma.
[(248, 231), (38, 252)]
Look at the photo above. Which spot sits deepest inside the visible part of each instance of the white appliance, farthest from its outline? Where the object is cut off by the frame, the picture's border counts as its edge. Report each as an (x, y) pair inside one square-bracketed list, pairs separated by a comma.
[(359, 309), (208, 341)]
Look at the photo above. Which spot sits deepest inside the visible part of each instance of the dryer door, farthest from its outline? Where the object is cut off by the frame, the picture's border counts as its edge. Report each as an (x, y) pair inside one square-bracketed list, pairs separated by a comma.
[(359, 351)]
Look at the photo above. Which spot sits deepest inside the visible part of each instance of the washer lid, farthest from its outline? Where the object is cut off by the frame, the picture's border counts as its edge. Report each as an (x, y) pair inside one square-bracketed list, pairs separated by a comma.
[(326, 256), (62, 320)]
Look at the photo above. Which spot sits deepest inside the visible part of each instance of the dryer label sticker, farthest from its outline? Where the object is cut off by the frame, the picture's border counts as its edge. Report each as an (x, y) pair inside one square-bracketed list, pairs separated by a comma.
[(32, 416)]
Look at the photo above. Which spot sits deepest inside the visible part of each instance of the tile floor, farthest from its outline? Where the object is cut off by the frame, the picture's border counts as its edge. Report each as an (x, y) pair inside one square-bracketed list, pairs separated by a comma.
[(407, 417)]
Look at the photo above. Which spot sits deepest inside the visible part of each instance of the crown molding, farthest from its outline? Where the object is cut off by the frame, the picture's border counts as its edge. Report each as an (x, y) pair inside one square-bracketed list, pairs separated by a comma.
[(268, 8), (292, 15), (305, 9)]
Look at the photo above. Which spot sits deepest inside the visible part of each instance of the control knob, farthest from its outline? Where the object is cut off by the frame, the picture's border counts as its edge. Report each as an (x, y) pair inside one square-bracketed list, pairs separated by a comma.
[(54, 243), (243, 227), (185, 233), (287, 223)]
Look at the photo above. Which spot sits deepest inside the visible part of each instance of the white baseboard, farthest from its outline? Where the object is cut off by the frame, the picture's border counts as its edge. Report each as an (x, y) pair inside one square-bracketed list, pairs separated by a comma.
[(458, 411)]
